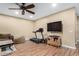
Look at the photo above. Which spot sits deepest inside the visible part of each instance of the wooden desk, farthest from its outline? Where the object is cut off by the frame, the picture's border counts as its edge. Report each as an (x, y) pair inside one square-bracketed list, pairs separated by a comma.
[(54, 40)]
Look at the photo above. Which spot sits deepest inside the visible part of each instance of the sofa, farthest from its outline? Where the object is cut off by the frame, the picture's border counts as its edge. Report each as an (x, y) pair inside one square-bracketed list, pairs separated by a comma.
[(19, 40), (6, 37)]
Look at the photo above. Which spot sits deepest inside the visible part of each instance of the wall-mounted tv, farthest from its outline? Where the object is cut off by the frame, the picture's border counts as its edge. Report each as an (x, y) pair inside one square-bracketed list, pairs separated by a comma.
[(54, 26)]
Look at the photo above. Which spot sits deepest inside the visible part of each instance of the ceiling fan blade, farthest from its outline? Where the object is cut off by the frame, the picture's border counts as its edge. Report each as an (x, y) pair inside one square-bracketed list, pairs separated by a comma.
[(23, 12), (30, 6), (14, 8), (30, 11), (18, 4)]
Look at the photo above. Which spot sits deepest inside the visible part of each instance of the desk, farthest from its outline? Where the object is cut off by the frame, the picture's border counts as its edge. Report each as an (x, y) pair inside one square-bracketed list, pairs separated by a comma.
[(54, 40)]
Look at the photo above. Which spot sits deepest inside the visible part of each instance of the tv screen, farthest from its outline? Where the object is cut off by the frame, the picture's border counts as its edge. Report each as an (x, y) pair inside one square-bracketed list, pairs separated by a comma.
[(55, 26)]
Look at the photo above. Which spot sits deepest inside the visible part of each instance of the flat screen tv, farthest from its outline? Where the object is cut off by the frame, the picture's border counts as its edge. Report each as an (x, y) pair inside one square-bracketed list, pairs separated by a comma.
[(54, 26)]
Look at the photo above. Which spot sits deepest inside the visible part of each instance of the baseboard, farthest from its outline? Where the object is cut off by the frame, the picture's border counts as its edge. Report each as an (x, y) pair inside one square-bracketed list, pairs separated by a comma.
[(68, 47)]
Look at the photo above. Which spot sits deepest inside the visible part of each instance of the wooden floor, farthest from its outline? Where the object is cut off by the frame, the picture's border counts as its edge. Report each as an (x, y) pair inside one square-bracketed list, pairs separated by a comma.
[(32, 49)]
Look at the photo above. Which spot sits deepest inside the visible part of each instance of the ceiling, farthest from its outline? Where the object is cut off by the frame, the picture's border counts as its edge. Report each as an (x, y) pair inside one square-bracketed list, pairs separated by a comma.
[(41, 9)]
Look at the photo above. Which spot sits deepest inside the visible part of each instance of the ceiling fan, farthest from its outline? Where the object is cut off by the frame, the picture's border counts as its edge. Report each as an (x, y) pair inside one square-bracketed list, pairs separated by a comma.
[(24, 8)]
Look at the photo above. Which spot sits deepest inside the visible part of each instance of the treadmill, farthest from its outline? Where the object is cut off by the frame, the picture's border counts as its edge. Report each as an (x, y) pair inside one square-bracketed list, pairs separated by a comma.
[(38, 40)]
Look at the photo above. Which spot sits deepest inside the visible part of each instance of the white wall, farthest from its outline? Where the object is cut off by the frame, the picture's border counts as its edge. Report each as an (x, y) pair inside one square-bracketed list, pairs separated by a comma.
[(15, 26), (68, 18)]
